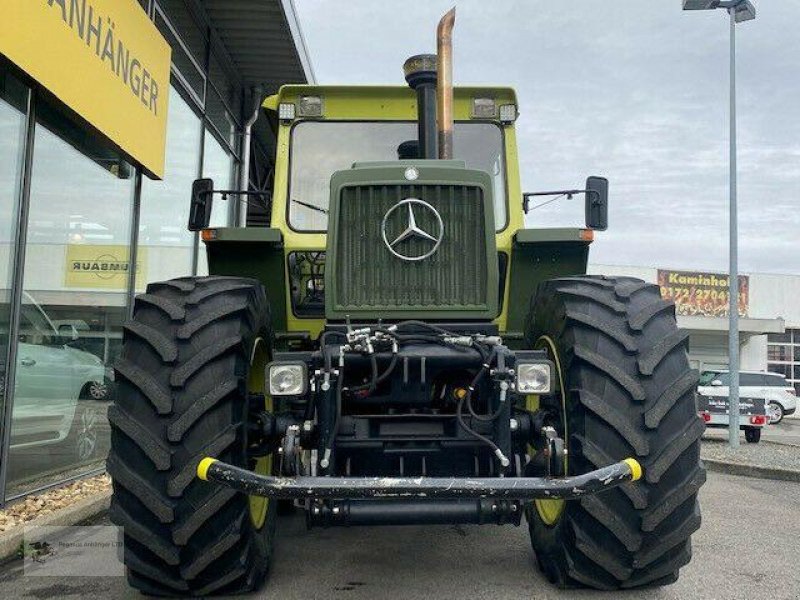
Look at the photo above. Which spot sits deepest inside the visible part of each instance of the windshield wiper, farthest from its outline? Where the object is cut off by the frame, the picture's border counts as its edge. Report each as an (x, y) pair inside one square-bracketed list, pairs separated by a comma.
[(324, 211)]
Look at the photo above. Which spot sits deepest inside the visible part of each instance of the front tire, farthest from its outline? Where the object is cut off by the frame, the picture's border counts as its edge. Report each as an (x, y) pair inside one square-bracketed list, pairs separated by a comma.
[(628, 392), (190, 357)]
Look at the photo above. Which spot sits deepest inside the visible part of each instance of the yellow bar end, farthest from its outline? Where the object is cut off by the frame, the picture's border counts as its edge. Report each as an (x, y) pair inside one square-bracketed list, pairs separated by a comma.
[(636, 468), (202, 468)]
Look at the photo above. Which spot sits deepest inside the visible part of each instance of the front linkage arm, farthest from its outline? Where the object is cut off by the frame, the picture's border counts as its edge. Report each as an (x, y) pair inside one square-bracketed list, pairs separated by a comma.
[(441, 488)]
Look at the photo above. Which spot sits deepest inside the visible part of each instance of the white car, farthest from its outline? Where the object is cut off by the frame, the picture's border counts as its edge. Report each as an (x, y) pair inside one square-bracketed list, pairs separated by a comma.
[(773, 387)]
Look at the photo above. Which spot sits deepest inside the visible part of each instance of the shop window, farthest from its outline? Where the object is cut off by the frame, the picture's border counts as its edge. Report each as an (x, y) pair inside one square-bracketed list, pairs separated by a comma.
[(219, 165), (219, 116), (74, 302), (163, 237), (779, 353), (13, 98)]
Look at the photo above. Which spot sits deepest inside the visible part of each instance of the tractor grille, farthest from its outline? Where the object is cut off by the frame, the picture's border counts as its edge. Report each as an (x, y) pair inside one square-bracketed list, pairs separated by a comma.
[(369, 276)]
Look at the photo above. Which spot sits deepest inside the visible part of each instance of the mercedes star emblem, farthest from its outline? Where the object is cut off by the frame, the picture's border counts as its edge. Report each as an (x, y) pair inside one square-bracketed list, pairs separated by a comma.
[(412, 230)]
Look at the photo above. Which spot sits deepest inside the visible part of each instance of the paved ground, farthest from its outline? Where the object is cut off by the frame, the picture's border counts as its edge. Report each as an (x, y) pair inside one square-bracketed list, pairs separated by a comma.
[(787, 432), (747, 548)]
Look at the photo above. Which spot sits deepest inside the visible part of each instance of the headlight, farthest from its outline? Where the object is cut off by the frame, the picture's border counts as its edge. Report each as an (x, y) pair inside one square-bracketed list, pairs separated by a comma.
[(534, 378), (287, 379)]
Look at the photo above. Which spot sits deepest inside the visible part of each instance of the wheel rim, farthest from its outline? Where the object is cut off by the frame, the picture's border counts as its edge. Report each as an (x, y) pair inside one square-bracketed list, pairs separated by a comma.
[(775, 412), (98, 390), (87, 434), (259, 506), (550, 511)]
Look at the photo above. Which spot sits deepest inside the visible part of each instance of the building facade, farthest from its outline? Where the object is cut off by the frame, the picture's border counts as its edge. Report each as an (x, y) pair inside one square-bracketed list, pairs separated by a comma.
[(85, 224)]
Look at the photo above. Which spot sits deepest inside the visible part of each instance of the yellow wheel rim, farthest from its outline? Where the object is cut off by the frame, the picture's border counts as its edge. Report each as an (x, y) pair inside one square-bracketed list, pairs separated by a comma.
[(259, 506), (550, 511)]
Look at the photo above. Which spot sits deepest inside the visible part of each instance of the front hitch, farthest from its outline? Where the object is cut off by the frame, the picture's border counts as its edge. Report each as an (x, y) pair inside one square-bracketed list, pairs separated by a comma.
[(442, 488)]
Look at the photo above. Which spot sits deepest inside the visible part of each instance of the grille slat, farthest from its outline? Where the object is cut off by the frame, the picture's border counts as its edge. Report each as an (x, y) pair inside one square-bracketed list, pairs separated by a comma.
[(369, 276)]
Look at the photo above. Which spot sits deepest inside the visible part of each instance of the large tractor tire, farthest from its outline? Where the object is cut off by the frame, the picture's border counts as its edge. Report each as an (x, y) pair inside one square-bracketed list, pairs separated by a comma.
[(625, 389), (192, 356)]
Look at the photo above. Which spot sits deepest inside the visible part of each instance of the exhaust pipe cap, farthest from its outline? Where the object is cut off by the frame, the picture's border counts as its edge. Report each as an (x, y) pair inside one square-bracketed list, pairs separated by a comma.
[(419, 69)]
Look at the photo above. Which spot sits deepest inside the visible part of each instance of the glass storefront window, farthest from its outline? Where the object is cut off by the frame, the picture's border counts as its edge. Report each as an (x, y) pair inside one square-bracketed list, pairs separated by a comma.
[(780, 353), (219, 165), (74, 303), (220, 117), (165, 245), (13, 98)]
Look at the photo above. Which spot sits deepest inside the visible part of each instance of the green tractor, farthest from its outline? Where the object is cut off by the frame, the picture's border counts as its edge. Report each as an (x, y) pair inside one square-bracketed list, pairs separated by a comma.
[(396, 348)]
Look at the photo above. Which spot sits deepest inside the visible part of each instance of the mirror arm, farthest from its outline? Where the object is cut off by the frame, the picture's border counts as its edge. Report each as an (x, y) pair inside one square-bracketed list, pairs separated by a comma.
[(248, 193), (568, 193), (224, 193)]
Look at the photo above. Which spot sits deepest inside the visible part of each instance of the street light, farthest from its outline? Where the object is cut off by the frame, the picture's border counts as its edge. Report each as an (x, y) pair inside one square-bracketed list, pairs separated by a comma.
[(739, 11)]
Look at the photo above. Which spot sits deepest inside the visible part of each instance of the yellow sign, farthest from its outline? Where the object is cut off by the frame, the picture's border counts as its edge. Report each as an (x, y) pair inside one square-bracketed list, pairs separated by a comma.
[(101, 267), (104, 59)]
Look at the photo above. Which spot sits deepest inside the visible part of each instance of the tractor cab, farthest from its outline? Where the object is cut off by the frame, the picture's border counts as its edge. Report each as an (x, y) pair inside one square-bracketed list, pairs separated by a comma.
[(327, 136)]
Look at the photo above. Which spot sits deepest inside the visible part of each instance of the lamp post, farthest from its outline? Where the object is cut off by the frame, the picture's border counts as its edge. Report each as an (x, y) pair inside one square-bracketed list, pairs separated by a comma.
[(739, 11)]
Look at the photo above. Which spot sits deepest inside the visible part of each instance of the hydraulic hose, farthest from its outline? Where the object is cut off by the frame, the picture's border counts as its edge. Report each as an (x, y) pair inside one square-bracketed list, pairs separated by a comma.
[(467, 399)]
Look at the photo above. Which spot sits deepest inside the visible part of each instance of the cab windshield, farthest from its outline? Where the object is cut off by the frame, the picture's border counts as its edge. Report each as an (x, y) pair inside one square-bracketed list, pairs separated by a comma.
[(321, 148)]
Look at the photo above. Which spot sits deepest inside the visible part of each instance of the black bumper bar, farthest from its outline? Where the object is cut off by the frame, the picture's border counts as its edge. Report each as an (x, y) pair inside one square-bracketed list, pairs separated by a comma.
[(442, 488)]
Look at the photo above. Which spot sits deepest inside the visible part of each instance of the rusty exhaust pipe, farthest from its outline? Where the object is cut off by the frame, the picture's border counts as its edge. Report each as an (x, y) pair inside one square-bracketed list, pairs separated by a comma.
[(444, 87)]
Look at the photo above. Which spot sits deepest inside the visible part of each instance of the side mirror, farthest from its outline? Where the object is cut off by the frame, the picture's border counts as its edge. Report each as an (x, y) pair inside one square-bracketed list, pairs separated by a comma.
[(202, 200), (597, 203)]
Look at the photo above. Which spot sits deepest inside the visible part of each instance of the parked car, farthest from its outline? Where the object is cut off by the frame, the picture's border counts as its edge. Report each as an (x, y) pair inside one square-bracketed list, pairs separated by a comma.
[(773, 387), (55, 387)]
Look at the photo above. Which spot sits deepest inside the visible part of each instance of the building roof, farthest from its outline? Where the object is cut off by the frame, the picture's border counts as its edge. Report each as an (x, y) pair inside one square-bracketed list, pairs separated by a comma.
[(263, 39)]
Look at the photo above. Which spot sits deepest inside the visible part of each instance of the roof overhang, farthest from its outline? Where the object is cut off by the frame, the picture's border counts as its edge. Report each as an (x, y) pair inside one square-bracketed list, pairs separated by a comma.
[(746, 325), (264, 41)]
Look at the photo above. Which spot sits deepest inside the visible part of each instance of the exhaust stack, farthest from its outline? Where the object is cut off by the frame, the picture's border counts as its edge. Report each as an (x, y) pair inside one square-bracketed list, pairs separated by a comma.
[(420, 72), (444, 89)]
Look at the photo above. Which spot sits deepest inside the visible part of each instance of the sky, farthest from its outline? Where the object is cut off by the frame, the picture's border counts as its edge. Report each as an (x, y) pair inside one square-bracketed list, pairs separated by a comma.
[(633, 90)]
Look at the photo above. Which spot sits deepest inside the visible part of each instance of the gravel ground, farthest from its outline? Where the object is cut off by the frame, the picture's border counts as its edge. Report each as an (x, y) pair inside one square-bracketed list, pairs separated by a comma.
[(763, 454), (48, 502)]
